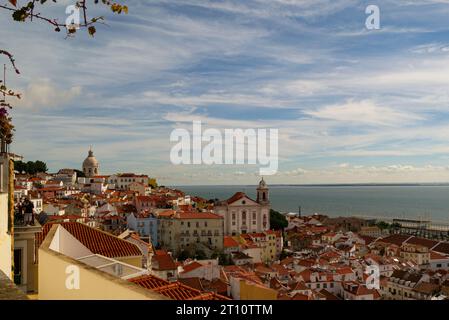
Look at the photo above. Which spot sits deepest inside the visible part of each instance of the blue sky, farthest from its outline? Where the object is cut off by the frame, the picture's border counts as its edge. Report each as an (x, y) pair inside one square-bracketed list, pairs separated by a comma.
[(351, 105)]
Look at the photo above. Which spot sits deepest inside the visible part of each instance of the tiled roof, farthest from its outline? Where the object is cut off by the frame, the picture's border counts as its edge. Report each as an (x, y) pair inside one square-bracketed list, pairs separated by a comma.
[(149, 281), (328, 295), (422, 242), (442, 247), (197, 215), (97, 241), (176, 290), (427, 288), (216, 285), (163, 261), (193, 282), (436, 256), (397, 239), (367, 239), (191, 266), (230, 242), (238, 196), (407, 276)]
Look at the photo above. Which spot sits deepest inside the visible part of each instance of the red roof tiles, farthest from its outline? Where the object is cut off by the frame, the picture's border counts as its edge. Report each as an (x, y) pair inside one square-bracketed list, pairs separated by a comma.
[(230, 242), (97, 241), (191, 266)]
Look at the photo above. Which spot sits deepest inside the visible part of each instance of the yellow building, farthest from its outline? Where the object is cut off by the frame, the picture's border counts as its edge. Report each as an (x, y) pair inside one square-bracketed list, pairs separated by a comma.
[(185, 230), (254, 291), (266, 241)]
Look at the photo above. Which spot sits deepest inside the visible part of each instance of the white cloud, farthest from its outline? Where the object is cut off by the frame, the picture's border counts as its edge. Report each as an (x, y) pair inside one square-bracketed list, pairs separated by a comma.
[(364, 112), (42, 94)]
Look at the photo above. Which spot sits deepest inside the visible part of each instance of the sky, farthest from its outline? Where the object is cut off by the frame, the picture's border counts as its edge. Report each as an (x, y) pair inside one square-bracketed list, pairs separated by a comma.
[(351, 105)]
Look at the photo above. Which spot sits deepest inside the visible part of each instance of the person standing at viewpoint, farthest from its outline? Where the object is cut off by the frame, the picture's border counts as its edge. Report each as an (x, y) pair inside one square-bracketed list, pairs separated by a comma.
[(29, 212)]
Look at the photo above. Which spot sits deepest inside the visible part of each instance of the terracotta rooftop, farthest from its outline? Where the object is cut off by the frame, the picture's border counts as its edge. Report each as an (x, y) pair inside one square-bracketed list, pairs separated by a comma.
[(191, 266), (230, 242), (422, 242), (97, 241), (193, 282), (149, 282), (442, 247), (176, 290), (163, 261), (197, 215), (238, 196), (397, 239)]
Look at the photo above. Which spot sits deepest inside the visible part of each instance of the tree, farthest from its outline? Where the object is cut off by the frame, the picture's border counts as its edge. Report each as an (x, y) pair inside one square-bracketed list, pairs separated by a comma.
[(284, 255), (277, 220), (382, 225), (40, 166), (200, 254), (152, 183), (183, 255), (79, 173), (31, 12), (30, 167)]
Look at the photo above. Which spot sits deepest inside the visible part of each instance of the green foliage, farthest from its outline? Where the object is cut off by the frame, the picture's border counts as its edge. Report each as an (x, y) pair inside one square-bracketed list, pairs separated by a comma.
[(79, 173), (30, 167), (395, 225), (152, 183), (277, 220), (183, 255), (200, 254), (284, 255), (382, 225), (223, 259)]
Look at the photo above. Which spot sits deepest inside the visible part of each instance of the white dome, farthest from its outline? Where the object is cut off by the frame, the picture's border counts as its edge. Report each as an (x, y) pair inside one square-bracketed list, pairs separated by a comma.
[(90, 161)]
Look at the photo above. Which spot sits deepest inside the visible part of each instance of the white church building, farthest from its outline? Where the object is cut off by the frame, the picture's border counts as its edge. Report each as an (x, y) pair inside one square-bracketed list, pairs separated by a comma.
[(244, 215)]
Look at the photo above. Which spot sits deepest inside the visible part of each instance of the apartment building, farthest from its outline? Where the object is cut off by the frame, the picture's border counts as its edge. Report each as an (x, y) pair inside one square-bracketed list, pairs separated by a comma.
[(187, 230)]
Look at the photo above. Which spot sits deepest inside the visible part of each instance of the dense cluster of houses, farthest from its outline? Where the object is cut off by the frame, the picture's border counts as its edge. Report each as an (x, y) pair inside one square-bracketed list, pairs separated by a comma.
[(226, 249), (352, 261)]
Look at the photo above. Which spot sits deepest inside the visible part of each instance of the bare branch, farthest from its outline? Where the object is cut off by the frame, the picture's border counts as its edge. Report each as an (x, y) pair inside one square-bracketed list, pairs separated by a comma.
[(10, 56)]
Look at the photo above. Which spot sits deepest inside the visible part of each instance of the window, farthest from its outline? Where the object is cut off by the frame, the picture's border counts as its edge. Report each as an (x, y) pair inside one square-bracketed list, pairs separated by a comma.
[(205, 223)]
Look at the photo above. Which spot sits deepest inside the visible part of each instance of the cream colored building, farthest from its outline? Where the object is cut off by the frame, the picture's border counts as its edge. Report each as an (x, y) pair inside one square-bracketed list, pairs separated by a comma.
[(244, 215), (419, 254), (68, 270), (186, 230)]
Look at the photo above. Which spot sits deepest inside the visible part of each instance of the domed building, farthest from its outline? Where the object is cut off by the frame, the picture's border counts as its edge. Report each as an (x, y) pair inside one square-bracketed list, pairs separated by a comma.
[(91, 167)]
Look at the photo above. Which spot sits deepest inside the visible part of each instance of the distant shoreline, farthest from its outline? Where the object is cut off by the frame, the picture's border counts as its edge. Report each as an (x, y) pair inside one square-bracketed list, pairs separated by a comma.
[(443, 184)]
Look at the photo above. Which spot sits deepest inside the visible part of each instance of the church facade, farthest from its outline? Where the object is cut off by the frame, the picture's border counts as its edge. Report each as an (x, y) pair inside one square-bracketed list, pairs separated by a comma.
[(244, 215)]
